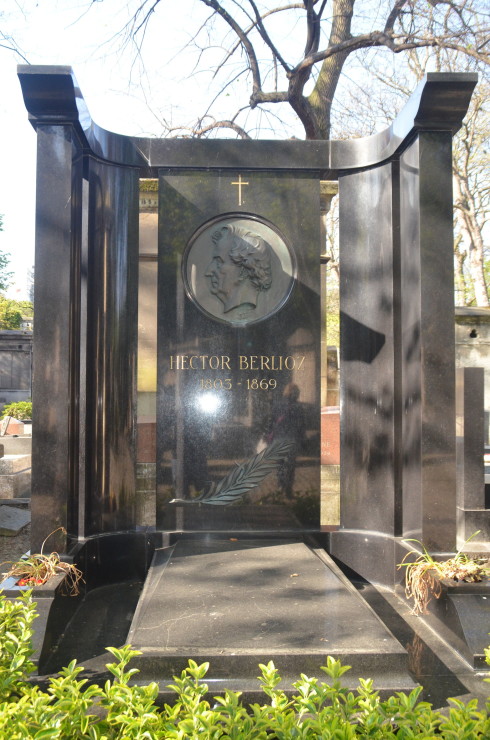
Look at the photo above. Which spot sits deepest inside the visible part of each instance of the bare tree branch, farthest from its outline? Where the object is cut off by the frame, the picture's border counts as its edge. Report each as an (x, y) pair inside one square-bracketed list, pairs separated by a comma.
[(146, 18), (321, 98), (313, 28), (244, 40), (253, 24), (198, 132), (265, 36), (7, 42), (379, 38), (269, 97), (309, 85), (394, 15)]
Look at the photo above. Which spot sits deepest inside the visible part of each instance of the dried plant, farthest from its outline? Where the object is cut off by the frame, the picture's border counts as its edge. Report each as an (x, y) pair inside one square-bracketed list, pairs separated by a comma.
[(38, 569), (423, 575)]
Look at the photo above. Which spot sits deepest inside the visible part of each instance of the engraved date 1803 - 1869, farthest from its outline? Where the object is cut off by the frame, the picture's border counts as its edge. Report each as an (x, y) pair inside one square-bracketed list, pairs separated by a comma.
[(251, 384)]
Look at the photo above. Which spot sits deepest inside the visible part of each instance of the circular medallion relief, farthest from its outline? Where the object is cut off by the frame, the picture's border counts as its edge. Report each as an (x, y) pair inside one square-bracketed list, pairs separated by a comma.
[(238, 269)]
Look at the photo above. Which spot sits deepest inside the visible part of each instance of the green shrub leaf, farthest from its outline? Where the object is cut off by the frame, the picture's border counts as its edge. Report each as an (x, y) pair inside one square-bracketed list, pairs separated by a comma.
[(72, 707)]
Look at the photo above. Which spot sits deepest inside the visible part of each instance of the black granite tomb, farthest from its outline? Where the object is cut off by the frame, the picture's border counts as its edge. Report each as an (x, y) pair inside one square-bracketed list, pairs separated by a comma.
[(233, 364), (239, 326)]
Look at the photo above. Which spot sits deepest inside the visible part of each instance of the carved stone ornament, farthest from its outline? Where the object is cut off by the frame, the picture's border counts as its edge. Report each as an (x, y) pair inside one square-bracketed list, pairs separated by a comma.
[(238, 269)]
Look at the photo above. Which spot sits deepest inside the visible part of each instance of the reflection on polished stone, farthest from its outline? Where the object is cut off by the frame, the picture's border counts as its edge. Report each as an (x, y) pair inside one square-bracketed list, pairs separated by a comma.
[(239, 351)]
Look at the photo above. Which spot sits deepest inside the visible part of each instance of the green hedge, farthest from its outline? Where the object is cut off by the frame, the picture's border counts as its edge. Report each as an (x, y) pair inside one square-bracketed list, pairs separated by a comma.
[(18, 409), (72, 707)]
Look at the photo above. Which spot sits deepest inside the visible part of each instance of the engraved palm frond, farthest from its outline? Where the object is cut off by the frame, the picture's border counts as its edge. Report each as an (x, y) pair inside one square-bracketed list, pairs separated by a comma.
[(243, 477)]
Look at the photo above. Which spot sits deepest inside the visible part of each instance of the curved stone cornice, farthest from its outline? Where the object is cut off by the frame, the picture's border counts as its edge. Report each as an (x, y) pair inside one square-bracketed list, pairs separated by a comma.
[(52, 96)]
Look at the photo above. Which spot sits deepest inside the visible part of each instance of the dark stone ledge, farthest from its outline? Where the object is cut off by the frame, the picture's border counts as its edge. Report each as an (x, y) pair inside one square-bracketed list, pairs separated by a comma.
[(52, 96)]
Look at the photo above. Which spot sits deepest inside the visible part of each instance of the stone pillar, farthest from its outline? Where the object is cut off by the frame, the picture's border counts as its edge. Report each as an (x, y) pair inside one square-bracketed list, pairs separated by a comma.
[(398, 461), (55, 361), (85, 334), (367, 501), (112, 321), (426, 405)]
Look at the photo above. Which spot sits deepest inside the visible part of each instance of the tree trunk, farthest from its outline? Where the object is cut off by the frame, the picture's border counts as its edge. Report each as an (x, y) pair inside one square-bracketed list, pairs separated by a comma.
[(461, 287), (314, 111), (322, 96), (472, 236)]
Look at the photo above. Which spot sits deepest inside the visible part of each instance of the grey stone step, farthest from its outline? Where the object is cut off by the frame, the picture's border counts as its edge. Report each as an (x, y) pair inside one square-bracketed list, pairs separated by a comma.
[(10, 464), (16, 445), (17, 485), (12, 520), (20, 501)]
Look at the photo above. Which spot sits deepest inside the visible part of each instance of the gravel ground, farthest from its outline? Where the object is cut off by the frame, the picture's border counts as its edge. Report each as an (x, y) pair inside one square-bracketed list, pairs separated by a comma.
[(12, 548)]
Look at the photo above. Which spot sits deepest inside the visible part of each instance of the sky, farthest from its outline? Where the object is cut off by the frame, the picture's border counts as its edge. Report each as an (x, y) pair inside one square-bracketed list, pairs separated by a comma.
[(77, 33), (124, 94)]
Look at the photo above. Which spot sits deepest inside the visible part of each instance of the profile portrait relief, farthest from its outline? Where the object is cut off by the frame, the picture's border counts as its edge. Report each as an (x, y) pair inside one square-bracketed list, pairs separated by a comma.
[(238, 269)]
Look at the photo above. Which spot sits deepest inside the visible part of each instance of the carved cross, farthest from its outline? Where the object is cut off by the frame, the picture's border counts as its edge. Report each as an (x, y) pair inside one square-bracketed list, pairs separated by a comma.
[(240, 184)]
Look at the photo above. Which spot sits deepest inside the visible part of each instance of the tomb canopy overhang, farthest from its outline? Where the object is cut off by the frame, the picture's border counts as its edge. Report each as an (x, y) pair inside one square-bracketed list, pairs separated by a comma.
[(52, 97)]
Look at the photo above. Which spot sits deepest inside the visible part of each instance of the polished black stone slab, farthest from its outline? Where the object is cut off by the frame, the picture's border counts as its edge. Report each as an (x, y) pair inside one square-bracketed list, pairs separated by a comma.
[(462, 616), (432, 659), (432, 105), (54, 452), (238, 351), (367, 378), (427, 367), (114, 568), (398, 451), (99, 620), (240, 602), (111, 347)]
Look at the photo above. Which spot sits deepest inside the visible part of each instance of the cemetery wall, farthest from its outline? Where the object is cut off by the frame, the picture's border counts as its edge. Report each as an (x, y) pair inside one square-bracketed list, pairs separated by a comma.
[(15, 366)]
